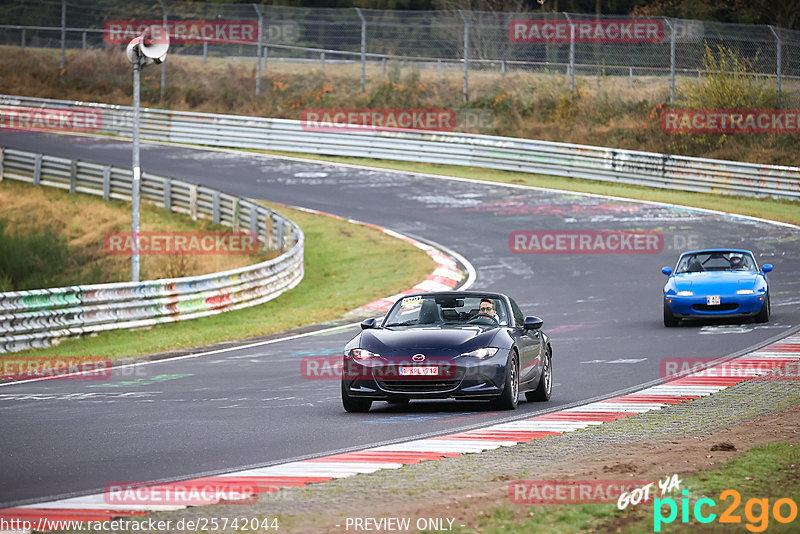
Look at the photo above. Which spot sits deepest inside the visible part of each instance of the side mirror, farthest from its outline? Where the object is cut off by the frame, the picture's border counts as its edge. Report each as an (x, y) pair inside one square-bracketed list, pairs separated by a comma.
[(666, 270), (532, 323), (366, 324), (767, 267)]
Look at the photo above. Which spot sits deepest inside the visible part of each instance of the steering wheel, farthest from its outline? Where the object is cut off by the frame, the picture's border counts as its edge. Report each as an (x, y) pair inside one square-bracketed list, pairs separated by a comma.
[(475, 320)]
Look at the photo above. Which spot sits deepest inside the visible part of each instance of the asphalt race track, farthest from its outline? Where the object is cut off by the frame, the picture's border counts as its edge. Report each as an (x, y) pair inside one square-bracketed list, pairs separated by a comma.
[(250, 406)]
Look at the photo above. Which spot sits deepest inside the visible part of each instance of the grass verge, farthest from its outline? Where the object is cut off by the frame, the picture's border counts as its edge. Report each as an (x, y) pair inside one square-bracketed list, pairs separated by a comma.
[(782, 210), (761, 476), (346, 266)]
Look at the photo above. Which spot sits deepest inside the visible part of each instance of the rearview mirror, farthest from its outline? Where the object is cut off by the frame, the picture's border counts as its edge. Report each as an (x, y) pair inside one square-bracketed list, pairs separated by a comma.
[(532, 323), (666, 270), (767, 267), (366, 324)]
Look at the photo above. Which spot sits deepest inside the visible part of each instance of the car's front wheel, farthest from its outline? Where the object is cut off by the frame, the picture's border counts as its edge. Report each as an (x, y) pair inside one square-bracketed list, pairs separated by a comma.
[(669, 318), (353, 404), (545, 387), (510, 397), (763, 315)]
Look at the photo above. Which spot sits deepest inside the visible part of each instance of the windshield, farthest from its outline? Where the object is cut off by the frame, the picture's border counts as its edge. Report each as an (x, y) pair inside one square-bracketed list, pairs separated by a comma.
[(715, 261), (433, 310)]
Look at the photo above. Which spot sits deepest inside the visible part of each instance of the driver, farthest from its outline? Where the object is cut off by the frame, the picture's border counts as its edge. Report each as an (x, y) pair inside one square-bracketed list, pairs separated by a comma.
[(487, 308), (736, 262)]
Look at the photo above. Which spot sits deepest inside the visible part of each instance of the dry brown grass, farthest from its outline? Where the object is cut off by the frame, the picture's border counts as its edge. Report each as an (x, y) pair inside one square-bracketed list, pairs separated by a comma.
[(83, 221), (605, 111)]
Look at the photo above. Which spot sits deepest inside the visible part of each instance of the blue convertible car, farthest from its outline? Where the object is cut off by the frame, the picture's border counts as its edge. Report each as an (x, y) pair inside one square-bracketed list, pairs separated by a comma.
[(716, 283), (452, 344)]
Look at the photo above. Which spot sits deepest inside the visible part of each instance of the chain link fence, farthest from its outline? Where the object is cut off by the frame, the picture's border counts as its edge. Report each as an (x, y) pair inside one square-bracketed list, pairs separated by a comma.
[(575, 45)]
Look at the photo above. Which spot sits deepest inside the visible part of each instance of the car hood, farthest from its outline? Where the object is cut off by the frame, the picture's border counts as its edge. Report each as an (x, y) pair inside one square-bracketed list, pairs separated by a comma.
[(388, 340), (717, 281)]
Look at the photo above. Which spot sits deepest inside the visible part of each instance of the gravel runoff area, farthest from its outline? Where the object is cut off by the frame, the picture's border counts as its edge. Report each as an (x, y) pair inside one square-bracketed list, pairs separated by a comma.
[(650, 446)]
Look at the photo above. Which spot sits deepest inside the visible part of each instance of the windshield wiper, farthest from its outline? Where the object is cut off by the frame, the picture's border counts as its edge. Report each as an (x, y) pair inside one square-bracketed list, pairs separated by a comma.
[(404, 323)]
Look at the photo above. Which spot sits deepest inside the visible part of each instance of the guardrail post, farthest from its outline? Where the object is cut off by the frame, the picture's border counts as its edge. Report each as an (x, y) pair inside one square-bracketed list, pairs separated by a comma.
[(268, 230), (465, 89), (281, 231), (236, 209), (2, 155), (215, 207), (254, 223), (258, 49), (193, 201), (37, 169), (363, 50), (779, 66), (73, 176), (107, 182), (168, 194)]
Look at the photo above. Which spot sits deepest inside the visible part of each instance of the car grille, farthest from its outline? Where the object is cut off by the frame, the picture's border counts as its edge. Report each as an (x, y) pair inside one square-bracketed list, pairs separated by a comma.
[(728, 306), (423, 386)]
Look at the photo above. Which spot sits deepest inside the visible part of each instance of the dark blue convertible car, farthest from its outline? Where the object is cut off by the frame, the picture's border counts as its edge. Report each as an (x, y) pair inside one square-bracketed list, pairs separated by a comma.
[(716, 283), (442, 345)]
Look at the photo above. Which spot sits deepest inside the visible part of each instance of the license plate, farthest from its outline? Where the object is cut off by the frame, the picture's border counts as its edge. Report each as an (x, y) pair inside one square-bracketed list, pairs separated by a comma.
[(419, 371), (712, 300)]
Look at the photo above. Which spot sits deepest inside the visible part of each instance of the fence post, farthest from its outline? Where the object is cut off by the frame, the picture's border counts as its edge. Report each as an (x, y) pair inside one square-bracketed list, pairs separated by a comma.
[(630, 76), (37, 169), (266, 57), (163, 63), (671, 60), (779, 66), (63, 36), (363, 50), (258, 49), (571, 56), (168, 195), (465, 90), (23, 39), (2, 155), (322, 60), (83, 41), (205, 52)]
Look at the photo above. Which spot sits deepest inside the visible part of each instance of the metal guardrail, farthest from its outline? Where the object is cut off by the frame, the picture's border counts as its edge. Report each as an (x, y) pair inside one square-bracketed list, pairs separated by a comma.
[(504, 153), (32, 319)]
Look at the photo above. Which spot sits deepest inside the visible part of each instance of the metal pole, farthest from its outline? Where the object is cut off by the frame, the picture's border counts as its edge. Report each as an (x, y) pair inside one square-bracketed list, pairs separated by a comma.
[(205, 52), (779, 67), (258, 47), (23, 38), (671, 60), (83, 41), (164, 64), (363, 50), (137, 171), (571, 56), (63, 36), (465, 90)]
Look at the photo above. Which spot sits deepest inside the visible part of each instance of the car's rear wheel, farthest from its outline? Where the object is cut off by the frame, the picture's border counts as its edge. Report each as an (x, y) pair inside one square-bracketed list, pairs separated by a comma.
[(669, 318), (353, 404), (763, 315), (510, 397), (545, 387)]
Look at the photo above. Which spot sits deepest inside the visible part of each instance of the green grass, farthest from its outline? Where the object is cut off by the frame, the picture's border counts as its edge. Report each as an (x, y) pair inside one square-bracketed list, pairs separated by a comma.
[(764, 472), (768, 208), (346, 266)]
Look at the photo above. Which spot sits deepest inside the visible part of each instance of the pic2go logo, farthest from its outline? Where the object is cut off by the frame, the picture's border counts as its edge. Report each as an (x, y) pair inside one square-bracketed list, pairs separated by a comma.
[(757, 520)]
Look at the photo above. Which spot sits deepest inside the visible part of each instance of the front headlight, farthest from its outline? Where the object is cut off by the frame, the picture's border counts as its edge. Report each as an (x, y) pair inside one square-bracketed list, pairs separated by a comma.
[(745, 292), (482, 354), (685, 293), (363, 354)]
